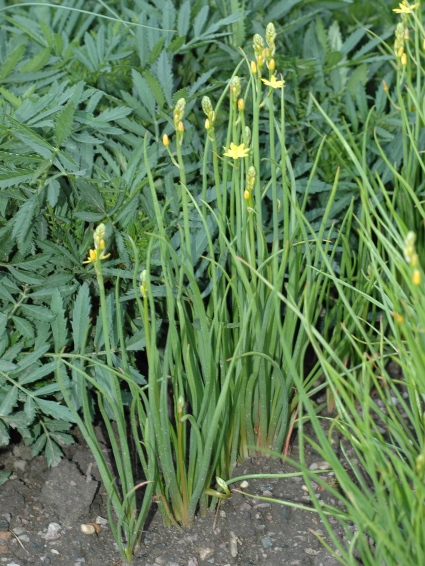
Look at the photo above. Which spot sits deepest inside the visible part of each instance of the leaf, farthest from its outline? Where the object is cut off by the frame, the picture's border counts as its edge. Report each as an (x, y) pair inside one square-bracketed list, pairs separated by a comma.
[(29, 408), (4, 476), (35, 374), (183, 20), (156, 50), (38, 312), (32, 357), (7, 366), (28, 136), (23, 225), (143, 91), (356, 81), (24, 277), (90, 216), (155, 88), (280, 9), (37, 62), (53, 191), (38, 445), (55, 410), (200, 21), (81, 317), (164, 74), (13, 178), (16, 101), (23, 326), (4, 437), (114, 114), (52, 453), (64, 122), (9, 401), (12, 60), (59, 329)]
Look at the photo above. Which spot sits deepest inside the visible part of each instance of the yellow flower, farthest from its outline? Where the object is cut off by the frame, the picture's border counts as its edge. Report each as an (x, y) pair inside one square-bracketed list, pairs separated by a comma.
[(236, 151), (273, 82), (96, 254), (404, 8), (416, 277), (398, 317)]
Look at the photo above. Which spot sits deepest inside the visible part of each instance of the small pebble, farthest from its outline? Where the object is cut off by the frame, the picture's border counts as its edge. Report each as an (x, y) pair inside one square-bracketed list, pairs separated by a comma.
[(205, 553), (266, 542), (285, 514), (244, 484), (323, 465)]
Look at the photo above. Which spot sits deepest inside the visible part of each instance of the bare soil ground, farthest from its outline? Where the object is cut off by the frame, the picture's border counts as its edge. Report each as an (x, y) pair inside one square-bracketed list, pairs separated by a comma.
[(42, 510)]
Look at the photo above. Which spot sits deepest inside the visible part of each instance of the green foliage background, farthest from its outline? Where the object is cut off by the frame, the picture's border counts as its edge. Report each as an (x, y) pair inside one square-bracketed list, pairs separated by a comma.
[(81, 85)]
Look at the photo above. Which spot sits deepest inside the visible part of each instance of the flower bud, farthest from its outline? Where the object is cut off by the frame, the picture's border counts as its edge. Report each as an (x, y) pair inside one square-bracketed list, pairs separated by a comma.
[(248, 135), (235, 87), (398, 317), (404, 59), (246, 194), (416, 277), (165, 140), (143, 286), (272, 65), (206, 105), (253, 66), (180, 127), (180, 404), (241, 104)]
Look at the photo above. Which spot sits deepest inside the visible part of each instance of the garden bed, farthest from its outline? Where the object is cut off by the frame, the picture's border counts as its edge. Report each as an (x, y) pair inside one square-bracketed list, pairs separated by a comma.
[(70, 495)]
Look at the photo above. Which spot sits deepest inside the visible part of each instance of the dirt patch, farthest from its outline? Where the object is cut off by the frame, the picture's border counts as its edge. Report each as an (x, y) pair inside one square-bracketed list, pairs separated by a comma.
[(42, 510)]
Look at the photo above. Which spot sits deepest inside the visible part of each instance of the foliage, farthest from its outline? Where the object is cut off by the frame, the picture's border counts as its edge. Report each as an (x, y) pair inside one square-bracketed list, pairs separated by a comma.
[(78, 93), (214, 270), (378, 392)]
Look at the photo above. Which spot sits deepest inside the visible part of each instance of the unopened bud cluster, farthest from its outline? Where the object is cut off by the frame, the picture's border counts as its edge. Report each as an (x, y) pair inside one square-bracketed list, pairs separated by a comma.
[(178, 115), (264, 54), (99, 237), (209, 112), (250, 182), (143, 287), (235, 88), (412, 257), (401, 35)]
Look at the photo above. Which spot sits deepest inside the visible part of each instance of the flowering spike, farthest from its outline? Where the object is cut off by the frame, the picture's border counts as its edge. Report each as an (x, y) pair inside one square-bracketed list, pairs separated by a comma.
[(270, 37), (258, 45), (179, 111)]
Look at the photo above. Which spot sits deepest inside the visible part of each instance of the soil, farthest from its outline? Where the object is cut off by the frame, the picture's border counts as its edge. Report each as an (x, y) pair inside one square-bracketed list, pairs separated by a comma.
[(42, 510)]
